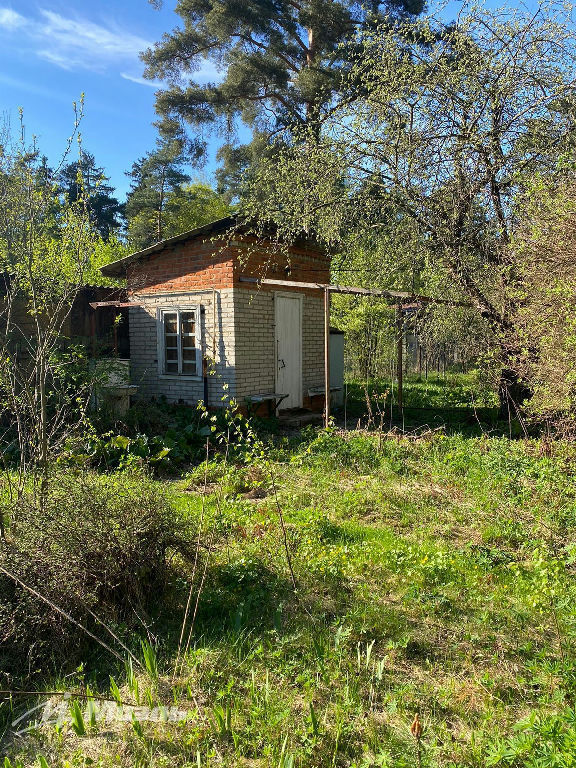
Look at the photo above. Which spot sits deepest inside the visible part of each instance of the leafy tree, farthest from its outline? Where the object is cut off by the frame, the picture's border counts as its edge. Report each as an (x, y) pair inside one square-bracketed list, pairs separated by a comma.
[(46, 249), (449, 129), (104, 251), (281, 62), (191, 206), (83, 179), (545, 249)]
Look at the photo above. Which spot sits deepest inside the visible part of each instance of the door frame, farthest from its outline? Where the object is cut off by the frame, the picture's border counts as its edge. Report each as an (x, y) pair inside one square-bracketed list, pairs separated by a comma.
[(300, 298)]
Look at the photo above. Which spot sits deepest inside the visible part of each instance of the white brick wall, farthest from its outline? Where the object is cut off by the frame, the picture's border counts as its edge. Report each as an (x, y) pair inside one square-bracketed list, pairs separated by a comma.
[(245, 344), (312, 343), (256, 342), (144, 346)]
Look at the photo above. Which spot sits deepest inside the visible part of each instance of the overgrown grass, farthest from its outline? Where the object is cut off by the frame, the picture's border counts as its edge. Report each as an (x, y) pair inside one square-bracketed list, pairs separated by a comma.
[(456, 401), (434, 575)]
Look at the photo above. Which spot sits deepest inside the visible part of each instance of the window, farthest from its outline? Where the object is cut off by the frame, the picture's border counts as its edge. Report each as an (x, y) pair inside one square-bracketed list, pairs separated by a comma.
[(180, 342)]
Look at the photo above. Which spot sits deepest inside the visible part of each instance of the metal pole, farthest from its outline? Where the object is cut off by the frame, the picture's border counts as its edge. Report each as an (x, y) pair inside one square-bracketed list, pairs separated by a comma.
[(399, 350), (326, 358), (93, 332)]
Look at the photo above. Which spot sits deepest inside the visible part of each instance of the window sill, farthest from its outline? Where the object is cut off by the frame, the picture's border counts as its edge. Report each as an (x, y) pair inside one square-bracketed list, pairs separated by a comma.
[(180, 376)]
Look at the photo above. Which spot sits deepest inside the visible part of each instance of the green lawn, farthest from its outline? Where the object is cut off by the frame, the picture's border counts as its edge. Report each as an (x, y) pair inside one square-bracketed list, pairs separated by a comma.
[(434, 575)]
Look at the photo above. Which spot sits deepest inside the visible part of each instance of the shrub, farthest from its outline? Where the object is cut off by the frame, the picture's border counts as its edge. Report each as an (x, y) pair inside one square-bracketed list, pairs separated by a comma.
[(97, 543), (546, 246), (539, 741)]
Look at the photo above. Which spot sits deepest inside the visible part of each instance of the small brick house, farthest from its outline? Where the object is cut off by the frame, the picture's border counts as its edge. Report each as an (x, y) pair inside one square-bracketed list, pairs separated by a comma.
[(197, 324)]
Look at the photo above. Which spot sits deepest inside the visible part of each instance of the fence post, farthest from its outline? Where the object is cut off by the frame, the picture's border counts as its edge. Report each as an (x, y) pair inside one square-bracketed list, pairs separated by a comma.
[(399, 351), (326, 358)]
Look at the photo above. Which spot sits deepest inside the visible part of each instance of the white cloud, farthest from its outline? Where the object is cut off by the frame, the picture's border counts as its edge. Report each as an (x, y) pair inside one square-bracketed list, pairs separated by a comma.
[(141, 80), (10, 20), (85, 43), (73, 42)]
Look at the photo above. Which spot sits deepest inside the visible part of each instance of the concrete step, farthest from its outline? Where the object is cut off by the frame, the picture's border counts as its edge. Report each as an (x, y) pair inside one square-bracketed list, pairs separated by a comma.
[(299, 417)]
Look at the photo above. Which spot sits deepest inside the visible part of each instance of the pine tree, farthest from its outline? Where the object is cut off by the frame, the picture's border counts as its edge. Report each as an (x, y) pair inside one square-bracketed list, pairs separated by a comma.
[(282, 61), (155, 177), (83, 179)]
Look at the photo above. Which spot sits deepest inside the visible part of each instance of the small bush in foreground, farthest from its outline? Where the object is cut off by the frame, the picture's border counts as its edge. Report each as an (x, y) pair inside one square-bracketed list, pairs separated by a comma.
[(98, 543)]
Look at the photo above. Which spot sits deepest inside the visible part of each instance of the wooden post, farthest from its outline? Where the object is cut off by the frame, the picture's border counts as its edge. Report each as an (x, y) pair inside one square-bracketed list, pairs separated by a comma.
[(326, 358), (399, 350)]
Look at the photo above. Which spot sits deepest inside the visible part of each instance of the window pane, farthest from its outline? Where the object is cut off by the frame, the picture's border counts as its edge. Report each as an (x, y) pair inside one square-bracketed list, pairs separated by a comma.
[(179, 331), (170, 323), (188, 322), (189, 367)]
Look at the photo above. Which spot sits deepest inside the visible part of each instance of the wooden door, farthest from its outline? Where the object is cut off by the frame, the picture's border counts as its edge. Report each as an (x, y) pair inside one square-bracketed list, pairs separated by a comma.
[(289, 349)]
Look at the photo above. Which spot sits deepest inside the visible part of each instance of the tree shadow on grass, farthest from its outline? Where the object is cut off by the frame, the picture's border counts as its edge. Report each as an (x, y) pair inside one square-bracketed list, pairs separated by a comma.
[(244, 594)]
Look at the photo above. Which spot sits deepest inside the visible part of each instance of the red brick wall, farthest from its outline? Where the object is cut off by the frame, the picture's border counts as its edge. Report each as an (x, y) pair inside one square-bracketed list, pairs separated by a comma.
[(196, 265), (298, 264), (187, 266)]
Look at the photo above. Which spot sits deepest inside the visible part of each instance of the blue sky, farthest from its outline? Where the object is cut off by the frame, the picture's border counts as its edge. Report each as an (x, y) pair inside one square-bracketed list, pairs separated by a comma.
[(51, 51)]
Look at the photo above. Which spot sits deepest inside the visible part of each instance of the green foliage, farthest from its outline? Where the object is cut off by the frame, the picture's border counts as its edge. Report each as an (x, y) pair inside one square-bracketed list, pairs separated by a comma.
[(162, 205), (77, 719), (443, 207), (361, 452), (150, 660), (115, 691), (193, 205), (110, 451), (545, 247), (434, 393), (105, 251), (434, 574), (539, 741), (69, 386), (157, 181), (162, 436), (47, 243), (223, 720), (84, 180)]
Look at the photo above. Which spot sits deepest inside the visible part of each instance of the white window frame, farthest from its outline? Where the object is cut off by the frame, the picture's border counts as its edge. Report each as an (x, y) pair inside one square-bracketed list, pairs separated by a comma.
[(161, 312)]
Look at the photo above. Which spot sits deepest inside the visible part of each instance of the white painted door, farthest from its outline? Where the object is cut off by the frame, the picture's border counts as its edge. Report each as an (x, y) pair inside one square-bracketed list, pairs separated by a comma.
[(289, 349)]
